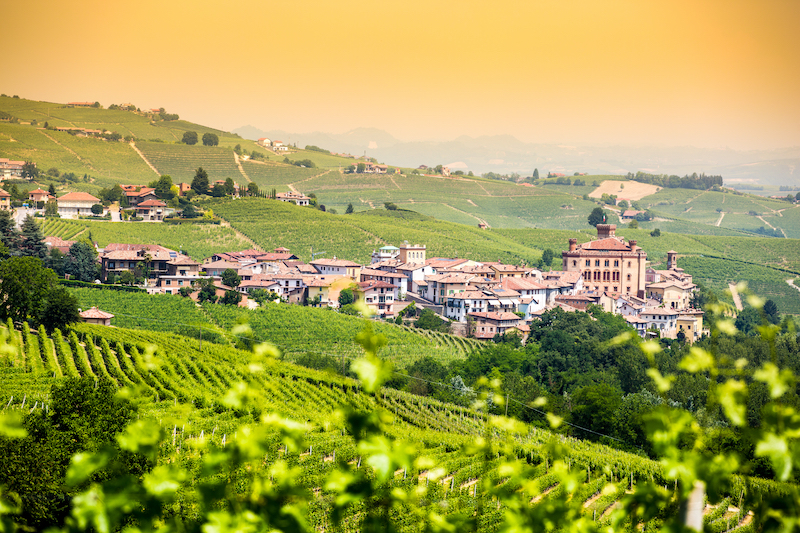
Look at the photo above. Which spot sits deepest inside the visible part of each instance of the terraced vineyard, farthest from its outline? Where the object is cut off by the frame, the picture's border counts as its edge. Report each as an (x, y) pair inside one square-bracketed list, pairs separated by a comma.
[(197, 240), (181, 161), (272, 224), (277, 175), (298, 330), (183, 385)]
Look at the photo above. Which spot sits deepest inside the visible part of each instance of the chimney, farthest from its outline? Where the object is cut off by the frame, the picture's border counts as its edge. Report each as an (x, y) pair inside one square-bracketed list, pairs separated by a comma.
[(633, 246), (605, 231), (573, 245)]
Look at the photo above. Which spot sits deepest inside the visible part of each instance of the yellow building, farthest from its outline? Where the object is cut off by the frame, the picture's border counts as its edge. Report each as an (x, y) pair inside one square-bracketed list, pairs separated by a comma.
[(608, 264)]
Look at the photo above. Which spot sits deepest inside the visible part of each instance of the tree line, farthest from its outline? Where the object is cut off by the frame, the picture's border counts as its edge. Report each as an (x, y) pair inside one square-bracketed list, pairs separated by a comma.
[(694, 181)]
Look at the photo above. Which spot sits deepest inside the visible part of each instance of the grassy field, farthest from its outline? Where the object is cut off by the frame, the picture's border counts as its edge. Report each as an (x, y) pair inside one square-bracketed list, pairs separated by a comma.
[(197, 240)]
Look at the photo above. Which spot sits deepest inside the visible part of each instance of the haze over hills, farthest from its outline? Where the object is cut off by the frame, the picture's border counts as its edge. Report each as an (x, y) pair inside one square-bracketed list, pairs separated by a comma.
[(506, 154)]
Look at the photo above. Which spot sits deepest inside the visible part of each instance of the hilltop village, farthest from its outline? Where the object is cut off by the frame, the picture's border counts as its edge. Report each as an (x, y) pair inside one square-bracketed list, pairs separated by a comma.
[(481, 299)]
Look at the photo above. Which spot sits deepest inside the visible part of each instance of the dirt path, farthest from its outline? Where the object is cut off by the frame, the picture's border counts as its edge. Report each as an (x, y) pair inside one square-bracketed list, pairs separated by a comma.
[(79, 158), (761, 218), (469, 201), (395, 183), (291, 185), (241, 235), (737, 300), (149, 164), (468, 214), (690, 200), (721, 216), (791, 284), (241, 168), (689, 209), (482, 188)]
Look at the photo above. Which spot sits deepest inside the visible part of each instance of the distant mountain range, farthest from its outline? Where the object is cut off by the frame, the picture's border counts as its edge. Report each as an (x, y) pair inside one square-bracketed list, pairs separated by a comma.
[(505, 154)]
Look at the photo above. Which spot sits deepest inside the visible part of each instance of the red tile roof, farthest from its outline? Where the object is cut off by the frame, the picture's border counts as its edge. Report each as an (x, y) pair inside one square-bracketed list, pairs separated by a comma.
[(96, 313), (610, 243), (79, 197)]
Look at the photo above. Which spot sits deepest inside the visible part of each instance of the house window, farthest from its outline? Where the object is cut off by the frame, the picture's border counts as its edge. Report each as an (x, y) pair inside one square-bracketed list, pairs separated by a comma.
[(629, 277), (574, 263), (629, 264), (597, 262), (588, 262), (111, 264), (615, 288), (606, 263), (169, 282), (616, 263)]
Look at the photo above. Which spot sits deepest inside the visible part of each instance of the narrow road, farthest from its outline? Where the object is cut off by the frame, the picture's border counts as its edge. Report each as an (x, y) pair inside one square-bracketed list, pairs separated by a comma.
[(721, 216), (149, 164), (737, 300), (241, 168), (68, 149), (791, 284)]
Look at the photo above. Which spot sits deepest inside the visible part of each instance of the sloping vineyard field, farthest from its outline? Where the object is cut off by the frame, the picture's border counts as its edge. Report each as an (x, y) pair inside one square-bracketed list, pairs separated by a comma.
[(181, 161), (277, 175), (174, 381), (272, 224), (197, 240), (298, 330)]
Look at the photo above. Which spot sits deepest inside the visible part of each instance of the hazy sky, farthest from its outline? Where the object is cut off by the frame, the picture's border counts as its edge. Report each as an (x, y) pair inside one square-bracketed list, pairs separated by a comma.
[(704, 73)]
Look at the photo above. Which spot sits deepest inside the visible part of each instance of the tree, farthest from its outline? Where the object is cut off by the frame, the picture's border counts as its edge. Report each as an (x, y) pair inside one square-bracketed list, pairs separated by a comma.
[(24, 286), (29, 170), (771, 312), (547, 257), (200, 181), (230, 186), (655, 233), (346, 297), (189, 212), (210, 139), (97, 209), (52, 190), (361, 168), (633, 224), (60, 310), (350, 169), (82, 264), (231, 298), (163, 188), (56, 261), (252, 189), (623, 204), (597, 216), (189, 137), (31, 241), (390, 206), (594, 407), (218, 191), (349, 209), (8, 231), (126, 277), (536, 173), (231, 278), (51, 208), (208, 291)]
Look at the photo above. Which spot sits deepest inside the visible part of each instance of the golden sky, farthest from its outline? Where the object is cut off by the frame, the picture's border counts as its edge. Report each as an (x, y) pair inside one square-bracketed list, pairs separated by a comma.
[(705, 73)]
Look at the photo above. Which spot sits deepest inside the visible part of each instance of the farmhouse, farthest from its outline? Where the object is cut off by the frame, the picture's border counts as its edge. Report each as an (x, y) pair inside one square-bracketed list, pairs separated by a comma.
[(38, 195), (378, 295), (5, 200), (487, 325), (10, 169), (75, 204), (297, 198), (151, 210)]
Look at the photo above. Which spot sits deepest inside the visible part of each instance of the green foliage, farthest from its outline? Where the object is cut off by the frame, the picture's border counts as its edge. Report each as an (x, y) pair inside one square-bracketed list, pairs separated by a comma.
[(346, 297), (200, 181), (209, 139), (189, 137), (597, 216)]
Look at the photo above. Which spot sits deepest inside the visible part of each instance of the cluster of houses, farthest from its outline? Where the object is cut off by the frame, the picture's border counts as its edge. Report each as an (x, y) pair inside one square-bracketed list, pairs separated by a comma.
[(275, 146), (10, 168), (482, 298)]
